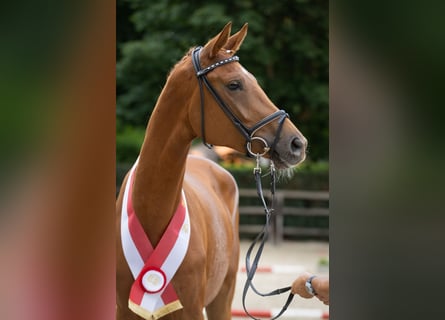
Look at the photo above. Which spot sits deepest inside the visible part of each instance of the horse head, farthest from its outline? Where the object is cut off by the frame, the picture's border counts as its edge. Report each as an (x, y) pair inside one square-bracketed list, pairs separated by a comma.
[(229, 108)]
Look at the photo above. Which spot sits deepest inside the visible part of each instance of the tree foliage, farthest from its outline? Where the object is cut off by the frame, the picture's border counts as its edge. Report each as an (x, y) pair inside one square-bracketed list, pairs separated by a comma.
[(286, 49)]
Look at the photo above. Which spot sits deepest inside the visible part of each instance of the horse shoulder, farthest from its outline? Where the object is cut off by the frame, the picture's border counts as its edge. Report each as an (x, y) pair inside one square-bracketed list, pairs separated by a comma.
[(212, 198), (210, 179)]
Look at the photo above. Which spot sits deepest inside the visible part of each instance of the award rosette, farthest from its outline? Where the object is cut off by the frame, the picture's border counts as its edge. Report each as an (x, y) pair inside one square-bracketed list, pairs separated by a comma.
[(152, 296)]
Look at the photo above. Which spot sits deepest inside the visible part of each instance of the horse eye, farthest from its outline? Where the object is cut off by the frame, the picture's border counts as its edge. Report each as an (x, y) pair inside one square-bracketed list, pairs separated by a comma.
[(234, 85)]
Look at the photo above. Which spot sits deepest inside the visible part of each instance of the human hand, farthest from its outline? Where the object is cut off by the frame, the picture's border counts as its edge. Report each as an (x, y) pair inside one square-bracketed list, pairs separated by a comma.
[(298, 286), (320, 284)]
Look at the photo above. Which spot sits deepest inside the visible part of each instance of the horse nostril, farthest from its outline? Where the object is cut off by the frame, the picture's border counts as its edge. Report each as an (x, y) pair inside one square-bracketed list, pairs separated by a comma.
[(297, 145)]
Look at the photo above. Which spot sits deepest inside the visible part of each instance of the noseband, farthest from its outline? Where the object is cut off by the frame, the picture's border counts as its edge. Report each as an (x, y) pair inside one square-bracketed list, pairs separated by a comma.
[(247, 132)]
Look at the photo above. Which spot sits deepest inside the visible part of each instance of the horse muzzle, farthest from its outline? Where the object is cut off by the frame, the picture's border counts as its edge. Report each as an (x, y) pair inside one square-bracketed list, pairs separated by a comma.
[(289, 151)]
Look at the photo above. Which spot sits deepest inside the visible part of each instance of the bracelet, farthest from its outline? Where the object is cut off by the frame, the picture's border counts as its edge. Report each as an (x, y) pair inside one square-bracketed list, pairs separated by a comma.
[(309, 287)]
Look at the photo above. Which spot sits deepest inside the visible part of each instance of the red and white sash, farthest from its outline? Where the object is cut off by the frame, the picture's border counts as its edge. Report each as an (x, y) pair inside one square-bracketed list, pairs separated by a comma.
[(152, 295)]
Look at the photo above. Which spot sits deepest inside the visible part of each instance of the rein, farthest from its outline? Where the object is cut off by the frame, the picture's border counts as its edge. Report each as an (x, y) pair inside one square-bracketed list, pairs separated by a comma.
[(247, 132), (261, 240)]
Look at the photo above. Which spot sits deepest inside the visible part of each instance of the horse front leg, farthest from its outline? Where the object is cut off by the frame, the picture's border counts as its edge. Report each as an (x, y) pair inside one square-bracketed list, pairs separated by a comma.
[(221, 307)]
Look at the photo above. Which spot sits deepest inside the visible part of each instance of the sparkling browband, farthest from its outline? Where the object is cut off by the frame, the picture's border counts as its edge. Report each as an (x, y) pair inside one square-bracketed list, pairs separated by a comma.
[(213, 66)]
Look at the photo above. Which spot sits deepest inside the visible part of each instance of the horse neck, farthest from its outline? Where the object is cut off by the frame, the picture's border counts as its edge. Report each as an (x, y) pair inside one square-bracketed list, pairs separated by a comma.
[(161, 167)]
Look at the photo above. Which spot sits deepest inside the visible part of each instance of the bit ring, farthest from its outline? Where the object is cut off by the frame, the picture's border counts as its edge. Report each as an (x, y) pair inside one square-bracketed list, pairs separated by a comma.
[(249, 147)]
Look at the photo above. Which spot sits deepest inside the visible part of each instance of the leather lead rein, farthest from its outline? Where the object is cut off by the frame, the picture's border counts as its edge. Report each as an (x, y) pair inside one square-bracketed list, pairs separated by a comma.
[(261, 240)]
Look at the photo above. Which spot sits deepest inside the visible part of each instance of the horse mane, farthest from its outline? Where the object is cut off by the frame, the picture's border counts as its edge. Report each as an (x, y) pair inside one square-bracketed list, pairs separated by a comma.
[(185, 57)]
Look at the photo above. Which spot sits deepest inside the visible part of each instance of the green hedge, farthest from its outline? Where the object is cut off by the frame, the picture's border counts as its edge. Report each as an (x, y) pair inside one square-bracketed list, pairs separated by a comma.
[(307, 176), (128, 143)]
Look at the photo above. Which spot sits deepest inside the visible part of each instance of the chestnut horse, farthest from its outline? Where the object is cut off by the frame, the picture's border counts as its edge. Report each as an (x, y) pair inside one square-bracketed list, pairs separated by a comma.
[(184, 111)]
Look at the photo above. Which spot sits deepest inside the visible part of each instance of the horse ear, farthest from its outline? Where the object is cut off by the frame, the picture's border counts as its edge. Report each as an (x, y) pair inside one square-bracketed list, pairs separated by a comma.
[(215, 44), (235, 41)]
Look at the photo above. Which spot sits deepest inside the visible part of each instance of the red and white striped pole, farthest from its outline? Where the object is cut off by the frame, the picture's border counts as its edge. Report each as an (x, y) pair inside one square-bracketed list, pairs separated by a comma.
[(278, 269), (290, 313)]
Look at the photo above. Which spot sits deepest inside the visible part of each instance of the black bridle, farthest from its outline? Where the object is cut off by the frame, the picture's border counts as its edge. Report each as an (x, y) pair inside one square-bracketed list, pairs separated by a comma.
[(247, 132)]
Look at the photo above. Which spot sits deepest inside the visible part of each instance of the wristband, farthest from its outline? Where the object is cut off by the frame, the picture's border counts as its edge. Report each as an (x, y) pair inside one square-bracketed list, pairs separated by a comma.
[(309, 287)]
